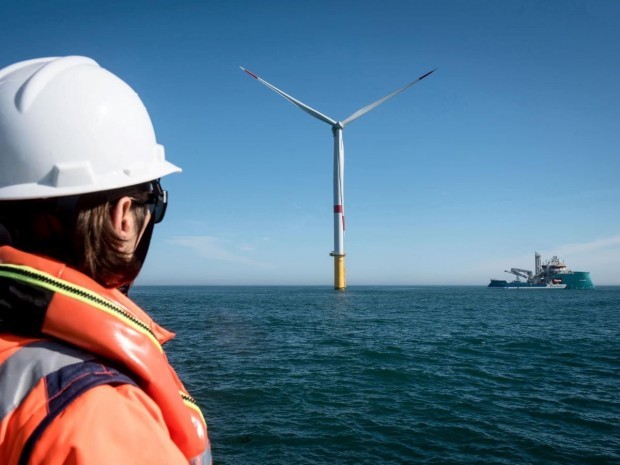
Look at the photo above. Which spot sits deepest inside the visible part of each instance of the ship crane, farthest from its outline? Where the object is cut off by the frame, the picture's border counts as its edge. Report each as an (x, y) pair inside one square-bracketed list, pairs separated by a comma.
[(519, 273)]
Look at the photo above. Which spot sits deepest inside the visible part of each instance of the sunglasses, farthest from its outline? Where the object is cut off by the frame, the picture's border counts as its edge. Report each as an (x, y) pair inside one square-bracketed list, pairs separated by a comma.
[(156, 201)]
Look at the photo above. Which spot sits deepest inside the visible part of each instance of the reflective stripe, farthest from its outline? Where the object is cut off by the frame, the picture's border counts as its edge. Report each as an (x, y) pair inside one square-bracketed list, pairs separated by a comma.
[(22, 371), (47, 281)]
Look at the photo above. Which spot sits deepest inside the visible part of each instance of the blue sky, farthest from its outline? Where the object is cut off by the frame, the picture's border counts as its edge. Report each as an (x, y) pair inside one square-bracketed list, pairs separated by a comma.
[(511, 147)]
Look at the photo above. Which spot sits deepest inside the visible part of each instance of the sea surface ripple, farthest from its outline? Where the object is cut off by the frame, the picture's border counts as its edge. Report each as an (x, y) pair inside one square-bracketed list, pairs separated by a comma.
[(398, 375)]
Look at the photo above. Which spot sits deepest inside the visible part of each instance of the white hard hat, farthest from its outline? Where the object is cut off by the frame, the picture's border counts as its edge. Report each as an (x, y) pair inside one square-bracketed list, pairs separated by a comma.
[(68, 126)]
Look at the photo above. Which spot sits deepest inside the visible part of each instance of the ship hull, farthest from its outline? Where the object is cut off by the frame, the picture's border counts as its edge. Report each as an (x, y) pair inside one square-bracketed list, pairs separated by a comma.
[(576, 280), (502, 284)]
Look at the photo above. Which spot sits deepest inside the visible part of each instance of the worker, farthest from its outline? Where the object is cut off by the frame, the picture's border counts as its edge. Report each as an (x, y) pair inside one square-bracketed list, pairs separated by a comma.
[(83, 376)]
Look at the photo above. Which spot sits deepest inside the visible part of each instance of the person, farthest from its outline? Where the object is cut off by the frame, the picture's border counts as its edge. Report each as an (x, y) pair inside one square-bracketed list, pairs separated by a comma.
[(83, 376)]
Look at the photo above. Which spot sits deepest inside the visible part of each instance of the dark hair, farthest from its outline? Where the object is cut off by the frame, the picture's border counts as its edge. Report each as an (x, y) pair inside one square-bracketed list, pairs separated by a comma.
[(78, 231)]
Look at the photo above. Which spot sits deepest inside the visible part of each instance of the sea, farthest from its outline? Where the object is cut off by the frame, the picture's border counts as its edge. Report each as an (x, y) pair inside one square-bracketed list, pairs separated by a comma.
[(398, 374)]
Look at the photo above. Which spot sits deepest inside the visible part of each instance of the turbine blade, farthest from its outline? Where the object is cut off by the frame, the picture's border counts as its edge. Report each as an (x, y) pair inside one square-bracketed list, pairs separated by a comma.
[(311, 111), (367, 108)]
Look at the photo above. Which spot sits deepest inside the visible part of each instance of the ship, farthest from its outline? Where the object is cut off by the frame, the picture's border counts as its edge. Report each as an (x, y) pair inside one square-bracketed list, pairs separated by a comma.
[(553, 274)]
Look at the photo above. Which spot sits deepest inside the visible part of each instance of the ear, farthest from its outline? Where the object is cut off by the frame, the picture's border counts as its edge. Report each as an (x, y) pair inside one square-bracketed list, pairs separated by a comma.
[(122, 219)]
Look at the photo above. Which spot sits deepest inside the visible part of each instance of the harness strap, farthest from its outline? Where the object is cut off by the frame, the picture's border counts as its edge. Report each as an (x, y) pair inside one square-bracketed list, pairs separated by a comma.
[(68, 373), (23, 370), (66, 385)]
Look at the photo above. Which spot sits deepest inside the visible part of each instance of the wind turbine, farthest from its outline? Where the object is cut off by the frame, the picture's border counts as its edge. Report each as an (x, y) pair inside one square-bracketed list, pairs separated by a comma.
[(337, 127)]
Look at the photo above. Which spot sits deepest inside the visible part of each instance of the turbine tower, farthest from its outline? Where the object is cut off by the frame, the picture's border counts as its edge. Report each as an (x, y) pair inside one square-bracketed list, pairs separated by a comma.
[(337, 127)]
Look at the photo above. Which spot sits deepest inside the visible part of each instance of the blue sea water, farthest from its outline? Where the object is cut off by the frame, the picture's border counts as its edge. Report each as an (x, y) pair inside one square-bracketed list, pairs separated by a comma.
[(399, 375)]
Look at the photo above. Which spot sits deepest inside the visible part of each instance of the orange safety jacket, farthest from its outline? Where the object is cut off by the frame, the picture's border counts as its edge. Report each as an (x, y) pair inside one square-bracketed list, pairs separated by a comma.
[(69, 349)]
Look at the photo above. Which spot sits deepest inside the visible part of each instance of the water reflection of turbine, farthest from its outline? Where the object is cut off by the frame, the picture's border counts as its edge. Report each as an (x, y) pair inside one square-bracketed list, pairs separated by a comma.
[(337, 127)]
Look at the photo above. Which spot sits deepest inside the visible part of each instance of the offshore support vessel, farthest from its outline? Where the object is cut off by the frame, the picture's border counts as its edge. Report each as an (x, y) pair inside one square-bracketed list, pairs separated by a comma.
[(553, 274)]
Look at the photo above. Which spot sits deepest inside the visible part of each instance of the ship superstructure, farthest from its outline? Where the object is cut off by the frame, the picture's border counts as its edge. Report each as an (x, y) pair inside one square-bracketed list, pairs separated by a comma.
[(553, 274)]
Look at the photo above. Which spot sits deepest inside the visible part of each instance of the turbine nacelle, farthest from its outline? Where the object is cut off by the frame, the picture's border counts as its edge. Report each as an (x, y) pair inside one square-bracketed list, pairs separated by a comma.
[(337, 126)]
